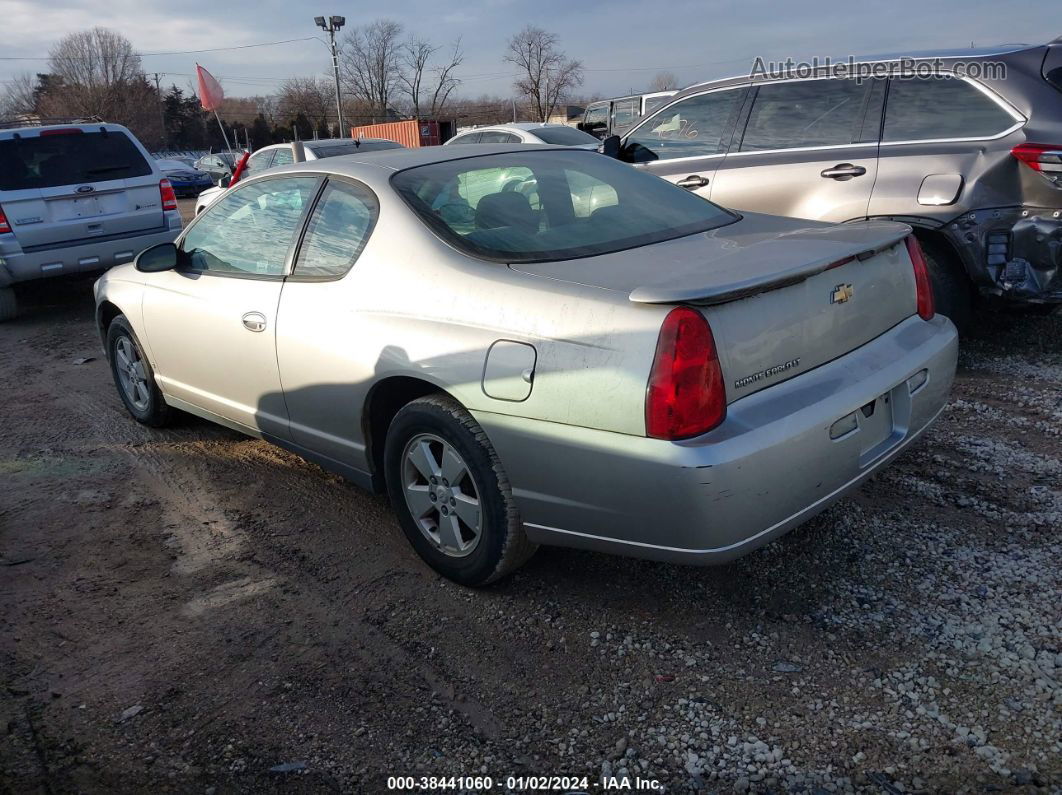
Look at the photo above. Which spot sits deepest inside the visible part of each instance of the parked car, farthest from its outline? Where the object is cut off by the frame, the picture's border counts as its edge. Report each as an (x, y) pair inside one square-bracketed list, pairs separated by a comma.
[(77, 198), (974, 165), (217, 164), (641, 372), (528, 133), (283, 154), (185, 179), (615, 116)]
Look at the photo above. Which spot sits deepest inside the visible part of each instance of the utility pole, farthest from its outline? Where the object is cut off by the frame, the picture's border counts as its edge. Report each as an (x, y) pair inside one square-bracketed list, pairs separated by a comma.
[(162, 111), (332, 26)]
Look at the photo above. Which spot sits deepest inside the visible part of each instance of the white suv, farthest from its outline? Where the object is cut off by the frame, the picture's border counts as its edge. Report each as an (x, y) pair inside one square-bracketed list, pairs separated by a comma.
[(77, 198)]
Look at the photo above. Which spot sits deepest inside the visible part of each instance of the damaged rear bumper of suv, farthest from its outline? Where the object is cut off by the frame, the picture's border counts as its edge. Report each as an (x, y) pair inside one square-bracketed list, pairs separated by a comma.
[(1013, 252)]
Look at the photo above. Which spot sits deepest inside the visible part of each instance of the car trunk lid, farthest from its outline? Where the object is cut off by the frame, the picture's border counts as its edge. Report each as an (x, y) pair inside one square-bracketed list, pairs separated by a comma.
[(782, 295)]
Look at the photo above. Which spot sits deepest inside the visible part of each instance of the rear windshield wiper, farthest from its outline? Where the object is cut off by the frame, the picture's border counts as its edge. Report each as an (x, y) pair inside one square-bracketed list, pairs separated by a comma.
[(104, 169)]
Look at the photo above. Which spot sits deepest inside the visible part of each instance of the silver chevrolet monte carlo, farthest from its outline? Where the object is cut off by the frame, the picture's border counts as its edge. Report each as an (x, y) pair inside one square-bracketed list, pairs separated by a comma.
[(538, 345)]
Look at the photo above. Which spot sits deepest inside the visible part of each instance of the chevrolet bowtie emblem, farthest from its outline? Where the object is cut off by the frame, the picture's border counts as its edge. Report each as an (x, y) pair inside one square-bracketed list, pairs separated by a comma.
[(841, 293)]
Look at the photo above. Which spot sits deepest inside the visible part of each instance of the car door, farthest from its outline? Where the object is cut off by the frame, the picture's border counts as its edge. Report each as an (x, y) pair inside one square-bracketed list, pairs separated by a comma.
[(801, 150), (326, 349), (211, 323), (685, 142)]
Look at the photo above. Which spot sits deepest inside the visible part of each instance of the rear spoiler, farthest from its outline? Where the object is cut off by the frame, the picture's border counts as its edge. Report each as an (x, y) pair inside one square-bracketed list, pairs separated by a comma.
[(774, 263)]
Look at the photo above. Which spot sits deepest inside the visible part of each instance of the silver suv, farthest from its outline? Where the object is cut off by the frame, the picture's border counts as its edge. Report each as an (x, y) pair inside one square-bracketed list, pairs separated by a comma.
[(77, 198), (975, 166)]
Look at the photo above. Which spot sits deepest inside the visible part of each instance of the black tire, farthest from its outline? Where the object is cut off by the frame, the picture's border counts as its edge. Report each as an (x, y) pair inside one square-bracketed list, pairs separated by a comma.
[(8, 304), (953, 292), (153, 410), (502, 545)]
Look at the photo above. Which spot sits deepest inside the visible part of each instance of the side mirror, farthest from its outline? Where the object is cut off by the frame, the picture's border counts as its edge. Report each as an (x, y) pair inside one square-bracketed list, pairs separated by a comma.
[(224, 180), (611, 146), (158, 258)]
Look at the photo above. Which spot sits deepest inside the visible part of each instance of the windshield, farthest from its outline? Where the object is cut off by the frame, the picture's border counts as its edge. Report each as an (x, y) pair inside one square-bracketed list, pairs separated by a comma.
[(68, 157), (564, 136), (351, 147), (539, 206)]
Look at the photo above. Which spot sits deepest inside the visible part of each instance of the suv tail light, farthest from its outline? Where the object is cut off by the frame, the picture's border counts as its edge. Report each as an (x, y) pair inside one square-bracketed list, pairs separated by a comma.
[(169, 198), (5, 227), (923, 287), (686, 396), (1043, 158)]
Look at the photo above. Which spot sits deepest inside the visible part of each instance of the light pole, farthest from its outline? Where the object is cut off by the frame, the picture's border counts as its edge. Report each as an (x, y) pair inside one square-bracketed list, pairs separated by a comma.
[(332, 25)]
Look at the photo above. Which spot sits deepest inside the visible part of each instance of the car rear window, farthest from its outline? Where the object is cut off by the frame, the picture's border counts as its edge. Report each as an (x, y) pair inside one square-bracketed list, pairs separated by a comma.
[(551, 205), (564, 136), (930, 108), (335, 150), (48, 161)]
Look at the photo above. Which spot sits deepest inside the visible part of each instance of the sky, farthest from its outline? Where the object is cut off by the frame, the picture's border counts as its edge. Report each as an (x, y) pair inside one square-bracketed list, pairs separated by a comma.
[(622, 43)]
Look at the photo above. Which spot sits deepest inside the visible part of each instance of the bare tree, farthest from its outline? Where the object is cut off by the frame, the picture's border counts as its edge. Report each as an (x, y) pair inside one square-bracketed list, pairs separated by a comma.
[(311, 97), (663, 81), (445, 82), (97, 73), (416, 55), (371, 62), (19, 98), (546, 74)]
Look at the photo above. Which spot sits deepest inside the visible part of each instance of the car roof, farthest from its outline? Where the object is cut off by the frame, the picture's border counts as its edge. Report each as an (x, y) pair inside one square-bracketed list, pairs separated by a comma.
[(399, 159)]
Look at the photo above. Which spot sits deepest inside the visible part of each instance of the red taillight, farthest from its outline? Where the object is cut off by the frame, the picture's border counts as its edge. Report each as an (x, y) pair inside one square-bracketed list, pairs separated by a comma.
[(5, 227), (1040, 157), (169, 198), (62, 131), (923, 287), (686, 396)]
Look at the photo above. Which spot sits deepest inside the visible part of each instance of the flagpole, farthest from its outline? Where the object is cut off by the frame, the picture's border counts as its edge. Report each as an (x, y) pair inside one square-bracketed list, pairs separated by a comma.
[(223, 135)]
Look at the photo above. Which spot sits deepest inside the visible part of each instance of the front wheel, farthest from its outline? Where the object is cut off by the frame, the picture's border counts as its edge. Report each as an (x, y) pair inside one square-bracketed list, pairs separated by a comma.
[(134, 377), (451, 494)]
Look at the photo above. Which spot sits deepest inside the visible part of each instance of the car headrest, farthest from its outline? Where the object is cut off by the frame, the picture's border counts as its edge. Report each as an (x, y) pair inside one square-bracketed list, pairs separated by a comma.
[(505, 209)]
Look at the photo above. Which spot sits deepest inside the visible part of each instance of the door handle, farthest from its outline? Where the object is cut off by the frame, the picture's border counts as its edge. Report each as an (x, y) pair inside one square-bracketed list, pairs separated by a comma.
[(692, 182), (844, 171), (254, 321)]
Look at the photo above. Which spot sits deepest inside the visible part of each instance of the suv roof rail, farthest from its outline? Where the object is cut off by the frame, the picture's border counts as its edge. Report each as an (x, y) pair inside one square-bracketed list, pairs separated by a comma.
[(44, 121)]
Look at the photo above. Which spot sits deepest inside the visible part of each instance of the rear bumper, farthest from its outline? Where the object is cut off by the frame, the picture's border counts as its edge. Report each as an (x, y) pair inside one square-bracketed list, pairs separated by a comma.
[(1013, 252), (83, 257), (768, 468)]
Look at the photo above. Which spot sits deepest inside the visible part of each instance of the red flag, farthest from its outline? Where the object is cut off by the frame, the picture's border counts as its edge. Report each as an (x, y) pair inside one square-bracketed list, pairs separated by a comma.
[(210, 92)]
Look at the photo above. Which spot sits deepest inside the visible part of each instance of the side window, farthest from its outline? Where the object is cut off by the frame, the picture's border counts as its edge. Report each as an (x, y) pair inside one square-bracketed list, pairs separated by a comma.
[(468, 138), (259, 162), (283, 157), (596, 119), (338, 231), (695, 127), (624, 114), (804, 113), (589, 193), (927, 108), (494, 137), (248, 231)]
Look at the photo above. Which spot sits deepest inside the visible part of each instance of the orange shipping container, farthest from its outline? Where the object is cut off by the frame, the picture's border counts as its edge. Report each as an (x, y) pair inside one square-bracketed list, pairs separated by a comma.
[(411, 133)]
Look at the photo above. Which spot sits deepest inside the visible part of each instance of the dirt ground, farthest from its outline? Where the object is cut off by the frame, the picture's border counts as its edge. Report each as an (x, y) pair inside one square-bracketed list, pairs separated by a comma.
[(189, 610)]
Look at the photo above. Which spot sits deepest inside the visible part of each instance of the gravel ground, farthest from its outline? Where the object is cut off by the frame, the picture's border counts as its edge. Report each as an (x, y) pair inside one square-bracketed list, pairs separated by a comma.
[(191, 611)]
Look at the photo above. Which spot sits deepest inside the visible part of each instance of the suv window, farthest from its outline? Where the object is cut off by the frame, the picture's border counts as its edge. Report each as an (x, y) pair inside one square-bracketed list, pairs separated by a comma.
[(283, 157), (804, 113), (928, 108), (624, 114), (259, 161), (338, 231), (694, 127), (248, 230), (69, 157), (497, 137)]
